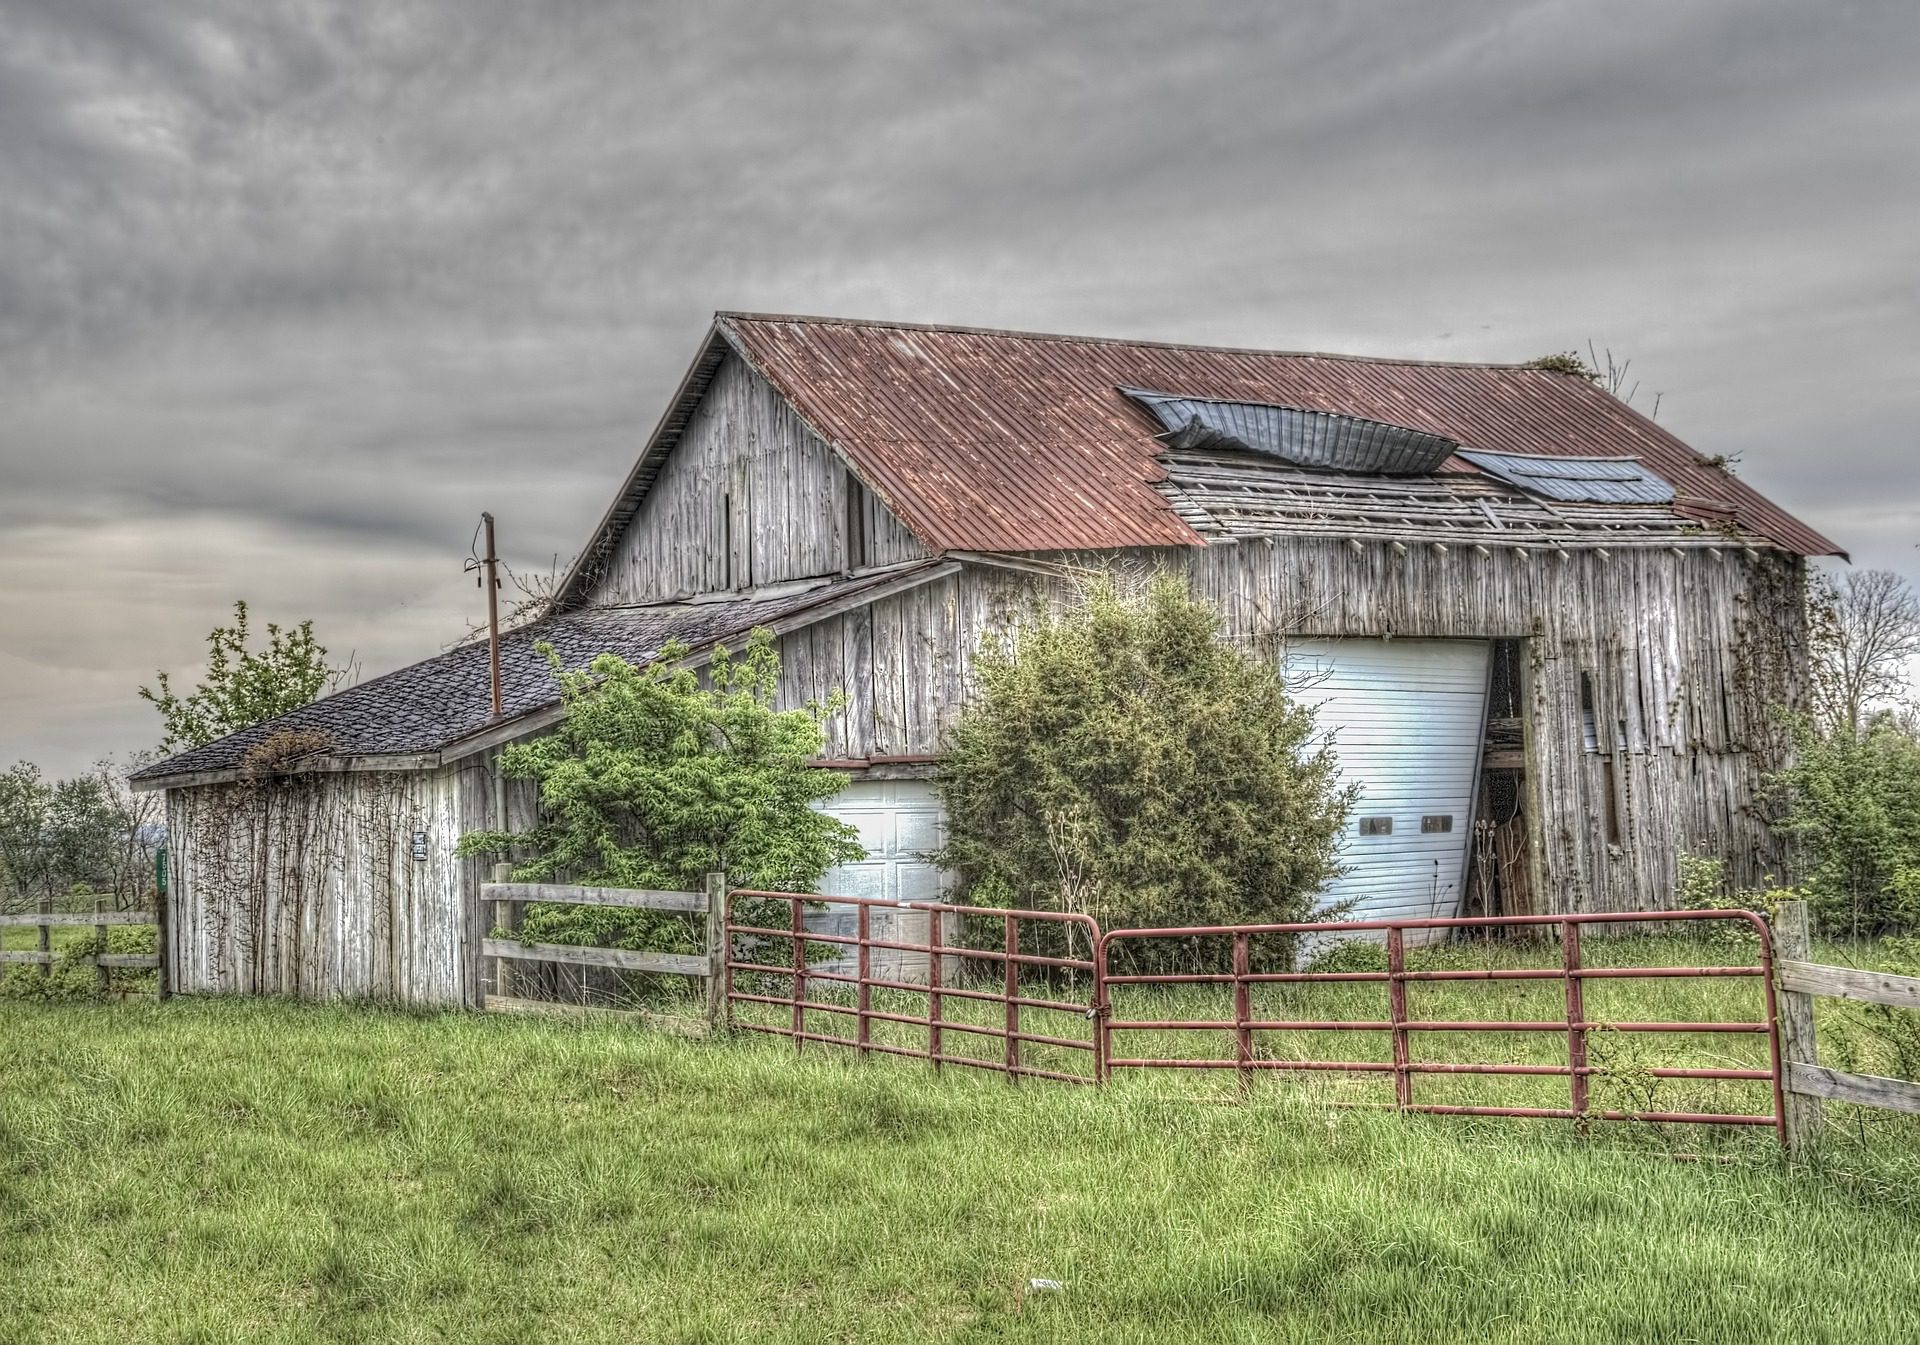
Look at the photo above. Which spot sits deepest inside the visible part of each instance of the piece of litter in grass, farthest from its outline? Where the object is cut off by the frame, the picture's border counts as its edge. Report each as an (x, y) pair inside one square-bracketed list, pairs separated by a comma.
[(1045, 1286)]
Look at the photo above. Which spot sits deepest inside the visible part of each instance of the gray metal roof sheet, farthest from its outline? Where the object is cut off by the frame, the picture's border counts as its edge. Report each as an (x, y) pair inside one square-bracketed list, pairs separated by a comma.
[(1623, 480), (1304, 437)]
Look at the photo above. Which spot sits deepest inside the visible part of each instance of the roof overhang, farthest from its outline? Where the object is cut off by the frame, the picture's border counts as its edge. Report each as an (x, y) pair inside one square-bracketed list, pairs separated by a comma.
[(534, 721)]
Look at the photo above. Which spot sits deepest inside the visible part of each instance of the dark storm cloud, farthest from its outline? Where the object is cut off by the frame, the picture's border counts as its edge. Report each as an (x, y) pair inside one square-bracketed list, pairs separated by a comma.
[(289, 292)]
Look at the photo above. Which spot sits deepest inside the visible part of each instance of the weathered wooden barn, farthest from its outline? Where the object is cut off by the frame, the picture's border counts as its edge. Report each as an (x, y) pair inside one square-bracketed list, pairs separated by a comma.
[(1547, 637)]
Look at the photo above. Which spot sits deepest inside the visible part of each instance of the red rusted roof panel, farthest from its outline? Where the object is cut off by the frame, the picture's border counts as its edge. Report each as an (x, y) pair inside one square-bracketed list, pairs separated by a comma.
[(1010, 441)]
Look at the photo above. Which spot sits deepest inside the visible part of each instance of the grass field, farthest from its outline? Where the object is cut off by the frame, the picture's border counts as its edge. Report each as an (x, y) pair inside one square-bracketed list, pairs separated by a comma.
[(238, 1171)]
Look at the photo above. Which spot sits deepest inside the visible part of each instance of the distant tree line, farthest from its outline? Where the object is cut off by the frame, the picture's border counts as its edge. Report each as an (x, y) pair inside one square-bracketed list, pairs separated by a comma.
[(90, 836)]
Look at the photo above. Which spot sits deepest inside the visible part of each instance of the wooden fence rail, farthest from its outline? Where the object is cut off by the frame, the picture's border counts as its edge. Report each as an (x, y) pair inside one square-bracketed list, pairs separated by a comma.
[(1798, 982), (46, 920), (505, 900)]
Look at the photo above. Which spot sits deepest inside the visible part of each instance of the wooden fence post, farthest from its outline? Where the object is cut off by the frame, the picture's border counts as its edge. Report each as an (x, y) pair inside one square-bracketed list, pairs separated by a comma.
[(717, 949), (102, 978), (1792, 942), (162, 932), (504, 913), (45, 942)]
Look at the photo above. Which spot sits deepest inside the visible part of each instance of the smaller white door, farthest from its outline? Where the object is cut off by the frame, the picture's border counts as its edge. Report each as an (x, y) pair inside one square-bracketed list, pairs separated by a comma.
[(900, 823)]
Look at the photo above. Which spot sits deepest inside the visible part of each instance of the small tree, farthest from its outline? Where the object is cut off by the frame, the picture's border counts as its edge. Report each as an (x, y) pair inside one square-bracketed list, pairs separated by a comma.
[(242, 687), (1864, 631), (25, 801), (654, 780), (1852, 803), (1121, 760)]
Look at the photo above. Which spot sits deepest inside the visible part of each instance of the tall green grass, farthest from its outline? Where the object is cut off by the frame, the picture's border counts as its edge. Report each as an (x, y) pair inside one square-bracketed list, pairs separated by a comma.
[(253, 1170)]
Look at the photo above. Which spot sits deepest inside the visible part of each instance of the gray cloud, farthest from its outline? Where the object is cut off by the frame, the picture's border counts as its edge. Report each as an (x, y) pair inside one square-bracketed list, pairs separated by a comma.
[(289, 292)]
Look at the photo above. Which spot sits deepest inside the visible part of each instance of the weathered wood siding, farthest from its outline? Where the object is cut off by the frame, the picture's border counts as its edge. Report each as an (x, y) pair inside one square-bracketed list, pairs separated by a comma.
[(1686, 654), (749, 496), (903, 662), (307, 885)]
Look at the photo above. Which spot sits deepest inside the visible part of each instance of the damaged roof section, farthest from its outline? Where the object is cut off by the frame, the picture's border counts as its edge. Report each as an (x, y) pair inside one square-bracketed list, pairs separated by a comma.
[(1576, 480), (1015, 441), (1229, 496), (1305, 438), (435, 704)]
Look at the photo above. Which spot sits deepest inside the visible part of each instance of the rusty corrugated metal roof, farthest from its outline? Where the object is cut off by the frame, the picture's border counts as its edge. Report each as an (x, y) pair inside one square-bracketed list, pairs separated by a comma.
[(1012, 441)]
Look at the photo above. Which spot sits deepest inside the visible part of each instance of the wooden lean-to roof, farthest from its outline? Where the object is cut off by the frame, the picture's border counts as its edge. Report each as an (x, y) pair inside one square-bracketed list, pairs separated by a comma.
[(439, 709)]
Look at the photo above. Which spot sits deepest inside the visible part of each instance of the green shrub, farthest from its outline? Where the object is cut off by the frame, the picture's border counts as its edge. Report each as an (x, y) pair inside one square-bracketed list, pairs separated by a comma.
[(72, 975), (1121, 760), (653, 780), (1852, 806)]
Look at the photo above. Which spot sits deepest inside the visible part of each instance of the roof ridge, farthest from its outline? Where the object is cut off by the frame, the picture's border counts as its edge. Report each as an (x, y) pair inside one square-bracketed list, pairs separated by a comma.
[(727, 315)]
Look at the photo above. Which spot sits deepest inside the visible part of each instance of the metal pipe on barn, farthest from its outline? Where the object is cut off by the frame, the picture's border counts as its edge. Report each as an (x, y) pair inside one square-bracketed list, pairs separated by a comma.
[(504, 914), (492, 582)]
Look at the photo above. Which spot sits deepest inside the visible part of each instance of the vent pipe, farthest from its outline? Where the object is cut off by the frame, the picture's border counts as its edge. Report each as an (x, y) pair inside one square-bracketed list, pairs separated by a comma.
[(491, 579)]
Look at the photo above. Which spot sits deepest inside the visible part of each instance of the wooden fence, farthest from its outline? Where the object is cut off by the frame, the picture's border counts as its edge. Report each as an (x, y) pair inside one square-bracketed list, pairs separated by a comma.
[(708, 965), (44, 955), (1799, 981)]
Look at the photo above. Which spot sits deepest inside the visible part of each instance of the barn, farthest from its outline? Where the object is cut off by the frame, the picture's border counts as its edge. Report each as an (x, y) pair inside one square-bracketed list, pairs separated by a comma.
[(1547, 638)]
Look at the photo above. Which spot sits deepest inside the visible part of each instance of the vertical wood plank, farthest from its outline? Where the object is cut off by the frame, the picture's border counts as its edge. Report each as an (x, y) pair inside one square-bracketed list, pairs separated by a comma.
[(717, 952), (1793, 942), (101, 976)]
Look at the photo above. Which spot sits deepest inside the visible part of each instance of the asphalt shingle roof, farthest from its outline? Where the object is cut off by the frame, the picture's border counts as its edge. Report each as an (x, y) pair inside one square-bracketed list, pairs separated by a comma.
[(430, 705)]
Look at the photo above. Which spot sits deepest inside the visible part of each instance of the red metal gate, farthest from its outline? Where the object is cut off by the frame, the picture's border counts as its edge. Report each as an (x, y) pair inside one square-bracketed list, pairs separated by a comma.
[(1574, 1023), (975, 988), (988, 985)]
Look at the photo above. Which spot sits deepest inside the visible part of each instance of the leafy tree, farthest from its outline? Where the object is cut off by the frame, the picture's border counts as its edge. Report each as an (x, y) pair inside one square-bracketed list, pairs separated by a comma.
[(1852, 802), (87, 831), (242, 687), (1120, 759), (1864, 631), (25, 800), (654, 780)]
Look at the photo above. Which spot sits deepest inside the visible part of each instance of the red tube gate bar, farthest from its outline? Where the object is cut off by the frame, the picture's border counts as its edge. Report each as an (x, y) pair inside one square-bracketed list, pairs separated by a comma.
[(1575, 1025), (957, 973)]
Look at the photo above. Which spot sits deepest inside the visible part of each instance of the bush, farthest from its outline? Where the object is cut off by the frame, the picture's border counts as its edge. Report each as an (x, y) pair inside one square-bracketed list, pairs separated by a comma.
[(1702, 886), (1852, 804), (653, 780), (1121, 760), (72, 975)]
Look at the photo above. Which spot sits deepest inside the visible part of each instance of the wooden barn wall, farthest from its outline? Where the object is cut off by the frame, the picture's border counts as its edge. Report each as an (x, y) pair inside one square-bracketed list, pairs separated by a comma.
[(1686, 656), (903, 662), (306, 885), (748, 496)]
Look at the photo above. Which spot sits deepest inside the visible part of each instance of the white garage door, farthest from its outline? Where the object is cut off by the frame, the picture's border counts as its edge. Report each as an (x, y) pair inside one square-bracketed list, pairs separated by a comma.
[(900, 821), (1405, 718)]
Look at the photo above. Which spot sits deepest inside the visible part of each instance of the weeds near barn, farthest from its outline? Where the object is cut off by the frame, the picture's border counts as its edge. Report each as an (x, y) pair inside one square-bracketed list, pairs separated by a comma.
[(228, 1170)]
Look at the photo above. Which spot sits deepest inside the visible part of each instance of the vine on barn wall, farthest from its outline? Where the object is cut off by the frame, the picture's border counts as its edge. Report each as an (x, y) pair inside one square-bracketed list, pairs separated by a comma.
[(265, 851)]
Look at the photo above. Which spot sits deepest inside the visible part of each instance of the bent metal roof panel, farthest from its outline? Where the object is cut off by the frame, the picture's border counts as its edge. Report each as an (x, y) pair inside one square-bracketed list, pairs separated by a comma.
[(1012, 441)]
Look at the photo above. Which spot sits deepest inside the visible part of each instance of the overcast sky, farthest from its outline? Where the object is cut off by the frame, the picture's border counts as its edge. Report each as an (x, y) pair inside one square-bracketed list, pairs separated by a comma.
[(290, 292)]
